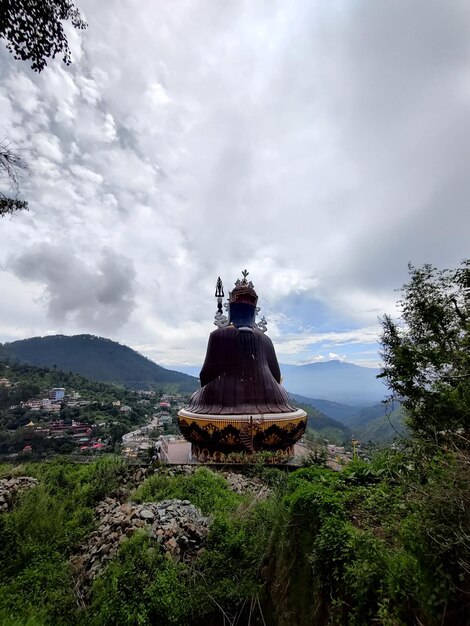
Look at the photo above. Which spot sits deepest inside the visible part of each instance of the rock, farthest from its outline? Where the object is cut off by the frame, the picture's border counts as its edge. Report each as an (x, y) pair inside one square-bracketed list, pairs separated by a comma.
[(176, 526), (11, 487), (242, 484)]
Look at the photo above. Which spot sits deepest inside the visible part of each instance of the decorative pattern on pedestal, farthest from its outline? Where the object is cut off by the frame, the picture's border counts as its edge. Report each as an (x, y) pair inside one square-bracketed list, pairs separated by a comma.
[(241, 405)]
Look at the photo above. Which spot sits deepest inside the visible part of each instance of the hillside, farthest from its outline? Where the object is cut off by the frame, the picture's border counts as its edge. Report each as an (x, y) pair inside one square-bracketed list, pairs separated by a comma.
[(367, 414), (99, 359), (336, 381), (383, 429), (335, 410), (86, 401), (367, 423), (351, 547), (324, 426)]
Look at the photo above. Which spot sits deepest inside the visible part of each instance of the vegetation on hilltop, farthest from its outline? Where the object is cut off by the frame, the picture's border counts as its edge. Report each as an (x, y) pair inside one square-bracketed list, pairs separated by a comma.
[(99, 359), (375, 543)]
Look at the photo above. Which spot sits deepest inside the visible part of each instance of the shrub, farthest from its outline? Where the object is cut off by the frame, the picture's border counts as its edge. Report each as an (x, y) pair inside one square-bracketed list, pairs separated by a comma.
[(204, 488), (141, 586)]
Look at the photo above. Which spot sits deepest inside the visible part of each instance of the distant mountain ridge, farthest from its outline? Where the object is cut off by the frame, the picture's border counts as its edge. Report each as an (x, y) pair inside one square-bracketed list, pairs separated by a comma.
[(336, 381), (380, 423), (334, 410), (99, 359), (346, 385)]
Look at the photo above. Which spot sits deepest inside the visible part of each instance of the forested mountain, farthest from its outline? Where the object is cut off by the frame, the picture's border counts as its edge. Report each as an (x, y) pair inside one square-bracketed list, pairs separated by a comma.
[(335, 410), (324, 426), (378, 422), (367, 414), (383, 429), (99, 359)]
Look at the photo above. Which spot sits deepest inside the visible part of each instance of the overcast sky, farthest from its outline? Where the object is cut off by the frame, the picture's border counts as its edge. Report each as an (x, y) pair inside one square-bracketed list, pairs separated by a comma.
[(321, 145)]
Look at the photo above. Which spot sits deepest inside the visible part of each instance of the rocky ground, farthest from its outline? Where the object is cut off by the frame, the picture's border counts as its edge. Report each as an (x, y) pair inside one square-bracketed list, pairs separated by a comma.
[(11, 487), (242, 484), (176, 525)]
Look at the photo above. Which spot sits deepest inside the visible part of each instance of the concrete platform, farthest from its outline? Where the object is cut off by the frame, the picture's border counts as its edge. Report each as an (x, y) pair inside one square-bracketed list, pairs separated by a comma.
[(178, 451)]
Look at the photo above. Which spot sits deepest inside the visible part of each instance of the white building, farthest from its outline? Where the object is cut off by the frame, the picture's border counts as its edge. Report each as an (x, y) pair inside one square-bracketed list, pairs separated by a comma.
[(57, 394)]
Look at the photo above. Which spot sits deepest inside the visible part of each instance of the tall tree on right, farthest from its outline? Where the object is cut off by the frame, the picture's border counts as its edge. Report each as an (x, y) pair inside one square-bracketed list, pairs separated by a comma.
[(426, 354)]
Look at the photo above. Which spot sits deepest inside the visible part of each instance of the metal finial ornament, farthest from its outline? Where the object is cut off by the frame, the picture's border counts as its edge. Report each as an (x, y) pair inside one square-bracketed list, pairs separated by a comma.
[(221, 320), (244, 281), (219, 293)]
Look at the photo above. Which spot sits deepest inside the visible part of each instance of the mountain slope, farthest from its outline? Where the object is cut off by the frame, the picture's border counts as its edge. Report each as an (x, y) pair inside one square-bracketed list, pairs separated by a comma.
[(367, 423), (324, 426), (364, 416), (99, 359), (336, 381), (383, 429), (335, 410)]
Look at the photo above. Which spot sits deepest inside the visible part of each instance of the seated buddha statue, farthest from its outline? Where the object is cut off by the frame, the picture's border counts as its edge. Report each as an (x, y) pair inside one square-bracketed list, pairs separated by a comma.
[(241, 373), (241, 404)]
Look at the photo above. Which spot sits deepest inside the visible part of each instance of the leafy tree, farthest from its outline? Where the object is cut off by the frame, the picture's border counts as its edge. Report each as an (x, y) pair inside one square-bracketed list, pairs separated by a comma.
[(426, 355), (34, 30), (11, 166)]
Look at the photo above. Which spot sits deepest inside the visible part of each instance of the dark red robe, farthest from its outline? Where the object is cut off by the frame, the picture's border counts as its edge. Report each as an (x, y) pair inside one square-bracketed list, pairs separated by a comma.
[(240, 375)]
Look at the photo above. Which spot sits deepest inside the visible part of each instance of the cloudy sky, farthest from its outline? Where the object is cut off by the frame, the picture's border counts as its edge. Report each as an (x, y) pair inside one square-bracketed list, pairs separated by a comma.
[(320, 145)]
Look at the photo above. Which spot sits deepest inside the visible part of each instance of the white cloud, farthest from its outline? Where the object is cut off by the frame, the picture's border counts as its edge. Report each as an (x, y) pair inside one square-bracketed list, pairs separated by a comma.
[(94, 297), (293, 344), (320, 145), (47, 147), (23, 92)]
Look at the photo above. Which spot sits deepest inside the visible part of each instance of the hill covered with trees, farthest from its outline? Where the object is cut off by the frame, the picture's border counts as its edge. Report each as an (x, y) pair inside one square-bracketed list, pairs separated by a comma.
[(99, 359), (115, 409), (325, 427)]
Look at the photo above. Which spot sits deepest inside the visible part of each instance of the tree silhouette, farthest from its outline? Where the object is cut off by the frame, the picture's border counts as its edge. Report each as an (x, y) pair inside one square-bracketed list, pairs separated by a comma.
[(11, 166), (34, 30)]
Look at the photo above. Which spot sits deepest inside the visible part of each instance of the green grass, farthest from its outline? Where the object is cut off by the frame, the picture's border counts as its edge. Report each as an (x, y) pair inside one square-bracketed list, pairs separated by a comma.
[(204, 488), (381, 542)]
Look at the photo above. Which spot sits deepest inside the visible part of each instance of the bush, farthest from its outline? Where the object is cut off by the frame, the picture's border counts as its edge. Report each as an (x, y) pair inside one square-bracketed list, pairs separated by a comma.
[(205, 489), (141, 586)]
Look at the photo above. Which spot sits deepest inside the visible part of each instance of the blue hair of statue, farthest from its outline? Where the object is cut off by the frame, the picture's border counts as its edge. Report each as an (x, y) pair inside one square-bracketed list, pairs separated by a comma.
[(242, 314)]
